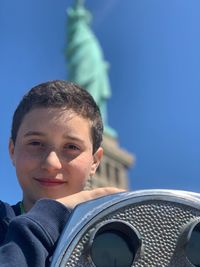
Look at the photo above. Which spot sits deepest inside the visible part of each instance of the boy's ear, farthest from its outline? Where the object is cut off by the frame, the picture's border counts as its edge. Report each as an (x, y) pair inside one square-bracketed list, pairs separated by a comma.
[(11, 150), (96, 160)]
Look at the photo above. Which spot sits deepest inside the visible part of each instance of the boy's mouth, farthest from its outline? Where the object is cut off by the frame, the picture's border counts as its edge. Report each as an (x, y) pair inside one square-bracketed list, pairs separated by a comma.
[(49, 181)]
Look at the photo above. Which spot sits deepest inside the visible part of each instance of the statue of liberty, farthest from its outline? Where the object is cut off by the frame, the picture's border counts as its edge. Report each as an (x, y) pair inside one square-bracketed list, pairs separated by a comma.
[(86, 65)]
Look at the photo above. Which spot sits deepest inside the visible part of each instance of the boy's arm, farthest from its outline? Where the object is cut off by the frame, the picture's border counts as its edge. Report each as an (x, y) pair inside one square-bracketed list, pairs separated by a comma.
[(31, 238)]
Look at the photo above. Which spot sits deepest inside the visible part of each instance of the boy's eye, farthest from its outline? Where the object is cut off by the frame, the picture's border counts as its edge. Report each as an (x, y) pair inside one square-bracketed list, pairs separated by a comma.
[(72, 147), (71, 151), (36, 143)]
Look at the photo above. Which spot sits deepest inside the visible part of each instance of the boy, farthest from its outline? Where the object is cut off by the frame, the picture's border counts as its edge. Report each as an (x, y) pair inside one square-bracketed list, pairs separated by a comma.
[(55, 146)]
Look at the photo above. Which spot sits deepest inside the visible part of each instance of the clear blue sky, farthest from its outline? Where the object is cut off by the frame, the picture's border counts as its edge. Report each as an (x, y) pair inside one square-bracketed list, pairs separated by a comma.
[(153, 47)]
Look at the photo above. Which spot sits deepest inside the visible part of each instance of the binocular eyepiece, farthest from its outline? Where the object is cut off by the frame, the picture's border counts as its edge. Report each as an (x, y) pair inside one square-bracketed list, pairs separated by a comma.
[(113, 244)]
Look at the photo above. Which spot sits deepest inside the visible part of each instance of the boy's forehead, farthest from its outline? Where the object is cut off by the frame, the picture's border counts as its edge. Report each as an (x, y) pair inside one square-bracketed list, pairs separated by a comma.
[(53, 112), (44, 116)]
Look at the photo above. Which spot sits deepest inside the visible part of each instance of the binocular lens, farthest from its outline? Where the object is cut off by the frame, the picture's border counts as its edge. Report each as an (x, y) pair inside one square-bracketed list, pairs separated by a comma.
[(113, 248)]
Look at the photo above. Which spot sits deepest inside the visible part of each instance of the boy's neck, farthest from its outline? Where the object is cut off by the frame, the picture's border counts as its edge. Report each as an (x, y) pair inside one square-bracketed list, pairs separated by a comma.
[(27, 204)]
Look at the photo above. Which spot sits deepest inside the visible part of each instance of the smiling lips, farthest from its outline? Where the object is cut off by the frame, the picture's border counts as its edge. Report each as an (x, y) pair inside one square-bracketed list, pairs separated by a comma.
[(49, 182)]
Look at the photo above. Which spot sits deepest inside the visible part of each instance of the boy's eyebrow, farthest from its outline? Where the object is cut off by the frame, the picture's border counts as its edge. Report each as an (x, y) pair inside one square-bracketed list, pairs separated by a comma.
[(73, 138), (30, 133)]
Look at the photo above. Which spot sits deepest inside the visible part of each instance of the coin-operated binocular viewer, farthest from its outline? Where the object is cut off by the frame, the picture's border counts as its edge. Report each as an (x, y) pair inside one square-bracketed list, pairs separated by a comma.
[(148, 228)]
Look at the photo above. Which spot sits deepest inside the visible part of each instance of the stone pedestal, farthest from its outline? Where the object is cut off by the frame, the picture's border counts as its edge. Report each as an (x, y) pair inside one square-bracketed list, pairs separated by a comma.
[(114, 165)]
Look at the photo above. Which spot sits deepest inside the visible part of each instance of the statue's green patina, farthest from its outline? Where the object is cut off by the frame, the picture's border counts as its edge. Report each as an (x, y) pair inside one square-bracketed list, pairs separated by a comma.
[(86, 64)]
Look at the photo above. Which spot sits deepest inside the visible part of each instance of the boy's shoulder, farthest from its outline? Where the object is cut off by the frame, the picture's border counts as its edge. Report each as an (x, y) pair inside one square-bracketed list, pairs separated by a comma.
[(8, 211)]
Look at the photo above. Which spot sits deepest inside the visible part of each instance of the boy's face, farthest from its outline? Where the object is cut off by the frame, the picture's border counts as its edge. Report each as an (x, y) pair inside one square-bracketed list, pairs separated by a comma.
[(53, 154)]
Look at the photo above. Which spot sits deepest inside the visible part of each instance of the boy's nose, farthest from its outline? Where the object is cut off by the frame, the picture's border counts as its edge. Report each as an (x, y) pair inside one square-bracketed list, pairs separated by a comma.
[(51, 161)]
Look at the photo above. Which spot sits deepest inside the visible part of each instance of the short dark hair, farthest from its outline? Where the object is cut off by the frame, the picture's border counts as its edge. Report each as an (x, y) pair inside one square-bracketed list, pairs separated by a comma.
[(60, 94)]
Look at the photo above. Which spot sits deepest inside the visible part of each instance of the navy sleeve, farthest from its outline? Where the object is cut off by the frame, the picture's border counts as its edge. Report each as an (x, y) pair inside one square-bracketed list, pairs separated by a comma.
[(31, 238)]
